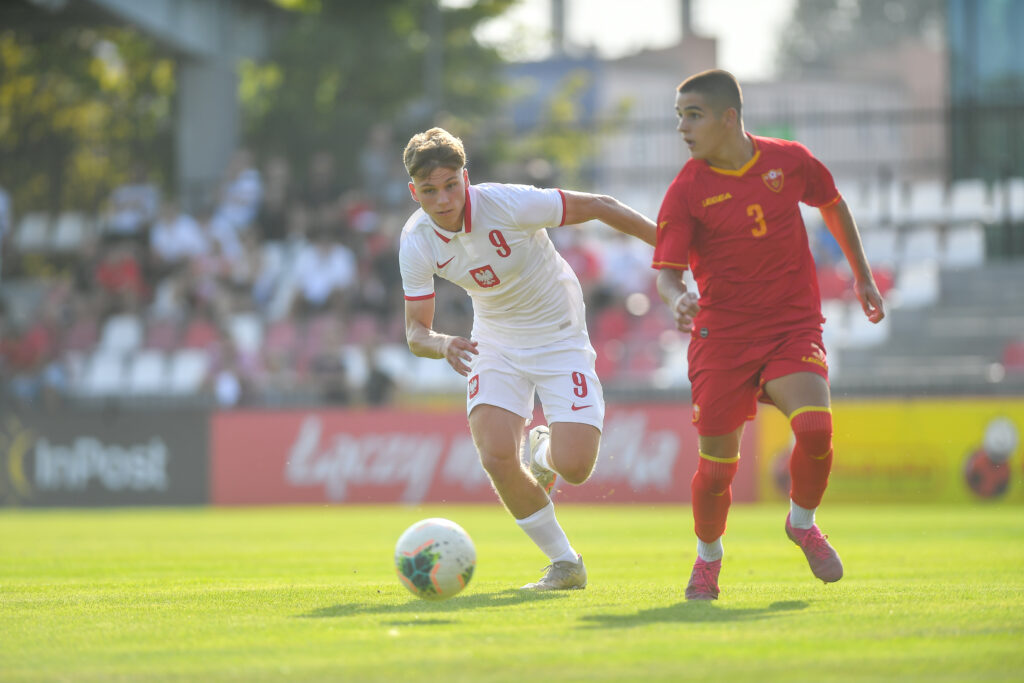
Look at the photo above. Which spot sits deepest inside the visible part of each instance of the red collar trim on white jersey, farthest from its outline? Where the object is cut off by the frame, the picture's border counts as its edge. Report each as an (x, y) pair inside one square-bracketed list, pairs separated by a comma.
[(444, 239), (467, 215)]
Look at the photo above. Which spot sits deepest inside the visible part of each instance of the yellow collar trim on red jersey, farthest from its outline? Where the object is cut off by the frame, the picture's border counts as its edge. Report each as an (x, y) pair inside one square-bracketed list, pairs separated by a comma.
[(746, 167)]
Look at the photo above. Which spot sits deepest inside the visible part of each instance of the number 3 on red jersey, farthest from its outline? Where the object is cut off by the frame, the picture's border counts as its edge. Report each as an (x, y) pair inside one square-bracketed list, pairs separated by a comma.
[(757, 213)]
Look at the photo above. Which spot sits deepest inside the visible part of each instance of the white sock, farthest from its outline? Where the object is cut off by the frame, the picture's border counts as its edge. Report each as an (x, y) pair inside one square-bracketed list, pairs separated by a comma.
[(801, 518), (544, 530), (709, 552), (543, 454)]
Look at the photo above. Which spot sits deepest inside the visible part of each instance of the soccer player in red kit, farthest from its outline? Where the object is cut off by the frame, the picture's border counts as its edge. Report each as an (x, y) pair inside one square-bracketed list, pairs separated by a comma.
[(732, 216)]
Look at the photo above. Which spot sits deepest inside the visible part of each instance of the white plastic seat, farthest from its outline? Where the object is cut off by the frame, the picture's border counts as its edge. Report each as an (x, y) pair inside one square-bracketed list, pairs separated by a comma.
[(917, 285), (122, 333), (861, 333), (187, 371), (880, 246), (1014, 189), (70, 232), (834, 332), (103, 375), (33, 233), (247, 331), (970, 201), (147, 373), (921, 245), (927, 202), (965, 247)]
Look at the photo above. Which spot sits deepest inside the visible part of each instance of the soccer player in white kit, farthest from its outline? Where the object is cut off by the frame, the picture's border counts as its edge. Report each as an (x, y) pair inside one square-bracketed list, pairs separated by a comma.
[(529, 331)]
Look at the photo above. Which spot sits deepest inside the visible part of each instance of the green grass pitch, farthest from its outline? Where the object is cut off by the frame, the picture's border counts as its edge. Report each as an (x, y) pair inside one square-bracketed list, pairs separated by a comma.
[(309, 593)]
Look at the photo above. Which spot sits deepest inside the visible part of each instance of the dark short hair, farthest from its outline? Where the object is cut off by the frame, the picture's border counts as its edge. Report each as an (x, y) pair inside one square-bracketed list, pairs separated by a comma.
[(720, 89), (434, 148)]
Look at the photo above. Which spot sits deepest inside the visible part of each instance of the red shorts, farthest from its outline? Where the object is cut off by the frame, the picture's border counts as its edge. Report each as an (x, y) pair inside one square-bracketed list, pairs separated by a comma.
[(728, 377)]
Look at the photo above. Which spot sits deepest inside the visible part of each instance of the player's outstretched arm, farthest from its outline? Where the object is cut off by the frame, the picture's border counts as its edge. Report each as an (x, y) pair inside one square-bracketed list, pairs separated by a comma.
[(841, 224), (682, 303), (425, 342), (581, 207)]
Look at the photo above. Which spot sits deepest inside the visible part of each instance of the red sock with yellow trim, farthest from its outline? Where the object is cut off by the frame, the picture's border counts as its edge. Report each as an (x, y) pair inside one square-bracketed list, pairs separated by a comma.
[(811, 461), (712, 494)]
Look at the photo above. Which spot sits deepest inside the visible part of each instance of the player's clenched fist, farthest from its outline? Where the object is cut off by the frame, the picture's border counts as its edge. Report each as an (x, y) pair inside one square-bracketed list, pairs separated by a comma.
[(684, 310)]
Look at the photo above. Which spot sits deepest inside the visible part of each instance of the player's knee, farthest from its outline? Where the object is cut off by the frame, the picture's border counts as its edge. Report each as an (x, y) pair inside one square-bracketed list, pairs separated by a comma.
[(576, 470), (498, 464), (813, 431), (715, 475)]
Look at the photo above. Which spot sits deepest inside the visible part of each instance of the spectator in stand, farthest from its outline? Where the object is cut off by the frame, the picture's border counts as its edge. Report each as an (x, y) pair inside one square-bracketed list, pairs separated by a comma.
[(241, 192), (325, 273), (233, 375), (133, 206), (31, 364), (272, 217), (379, 387), (174, 239), (119, 282), (322, 197), (6, 223), (327, 374)]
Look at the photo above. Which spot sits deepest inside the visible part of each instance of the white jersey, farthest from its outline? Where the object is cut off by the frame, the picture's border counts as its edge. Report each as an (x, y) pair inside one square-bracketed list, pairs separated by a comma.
[(524, 293)]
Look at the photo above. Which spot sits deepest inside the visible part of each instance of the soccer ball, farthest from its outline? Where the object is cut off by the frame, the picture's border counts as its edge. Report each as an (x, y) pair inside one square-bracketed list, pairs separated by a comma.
[(435, 558)]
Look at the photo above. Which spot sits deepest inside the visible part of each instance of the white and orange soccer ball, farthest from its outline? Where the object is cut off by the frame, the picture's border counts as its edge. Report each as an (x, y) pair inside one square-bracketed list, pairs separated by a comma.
[(435, 558)]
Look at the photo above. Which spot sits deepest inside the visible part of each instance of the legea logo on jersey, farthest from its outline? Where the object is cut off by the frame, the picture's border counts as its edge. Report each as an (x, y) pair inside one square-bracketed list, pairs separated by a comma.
[(773, 179), (485, 276)]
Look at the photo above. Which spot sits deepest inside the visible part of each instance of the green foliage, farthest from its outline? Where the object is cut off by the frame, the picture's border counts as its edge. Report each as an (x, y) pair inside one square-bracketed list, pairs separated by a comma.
[(822, 31), (341, 67), (931, 593), (77, 108)]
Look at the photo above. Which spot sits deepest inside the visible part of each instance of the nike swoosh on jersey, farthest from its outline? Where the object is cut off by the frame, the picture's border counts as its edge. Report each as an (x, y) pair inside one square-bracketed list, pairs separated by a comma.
[(442, 265), (576, 407)]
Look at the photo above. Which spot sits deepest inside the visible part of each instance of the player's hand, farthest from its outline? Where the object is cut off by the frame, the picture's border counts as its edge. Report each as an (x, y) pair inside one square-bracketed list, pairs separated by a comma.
[(458, 351), (684, 310), (870, 300)]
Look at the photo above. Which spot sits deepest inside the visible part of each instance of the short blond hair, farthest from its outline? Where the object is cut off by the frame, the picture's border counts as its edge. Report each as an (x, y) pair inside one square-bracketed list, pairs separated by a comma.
[(434, 148)]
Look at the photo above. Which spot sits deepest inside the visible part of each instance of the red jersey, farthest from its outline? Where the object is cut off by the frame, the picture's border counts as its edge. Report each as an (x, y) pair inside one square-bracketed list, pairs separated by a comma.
[(742, 235)]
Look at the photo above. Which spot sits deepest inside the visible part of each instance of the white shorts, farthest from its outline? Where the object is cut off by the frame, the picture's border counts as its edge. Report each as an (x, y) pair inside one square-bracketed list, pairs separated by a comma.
[(562, 374)]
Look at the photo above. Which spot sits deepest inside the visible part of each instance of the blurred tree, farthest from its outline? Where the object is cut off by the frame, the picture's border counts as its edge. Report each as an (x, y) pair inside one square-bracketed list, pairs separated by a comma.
[(342, 67), (821, 32), (78, 106)]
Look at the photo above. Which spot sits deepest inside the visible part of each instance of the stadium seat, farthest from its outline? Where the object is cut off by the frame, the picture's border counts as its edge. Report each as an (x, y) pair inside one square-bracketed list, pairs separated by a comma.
[(70, 232), (121, 333), (147, 373), (187, 371), (921, 245), (917, 285), (970, 201), (880, 246), (103, 375), (33, 233), (965, 247), (926, 202), (1014, 189), (834, 334), (861, 333), (246, 331)]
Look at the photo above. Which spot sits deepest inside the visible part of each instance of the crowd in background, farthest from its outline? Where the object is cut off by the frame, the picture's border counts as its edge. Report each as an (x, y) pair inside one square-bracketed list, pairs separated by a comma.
[(313, 261)]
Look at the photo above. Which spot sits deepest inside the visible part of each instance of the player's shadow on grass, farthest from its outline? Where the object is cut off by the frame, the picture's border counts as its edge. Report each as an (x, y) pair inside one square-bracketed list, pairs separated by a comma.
[(459, 603), (689, 612)]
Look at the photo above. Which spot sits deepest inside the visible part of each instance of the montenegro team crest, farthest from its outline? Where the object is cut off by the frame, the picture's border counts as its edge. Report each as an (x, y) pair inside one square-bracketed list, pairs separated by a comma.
[(773, 179)]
